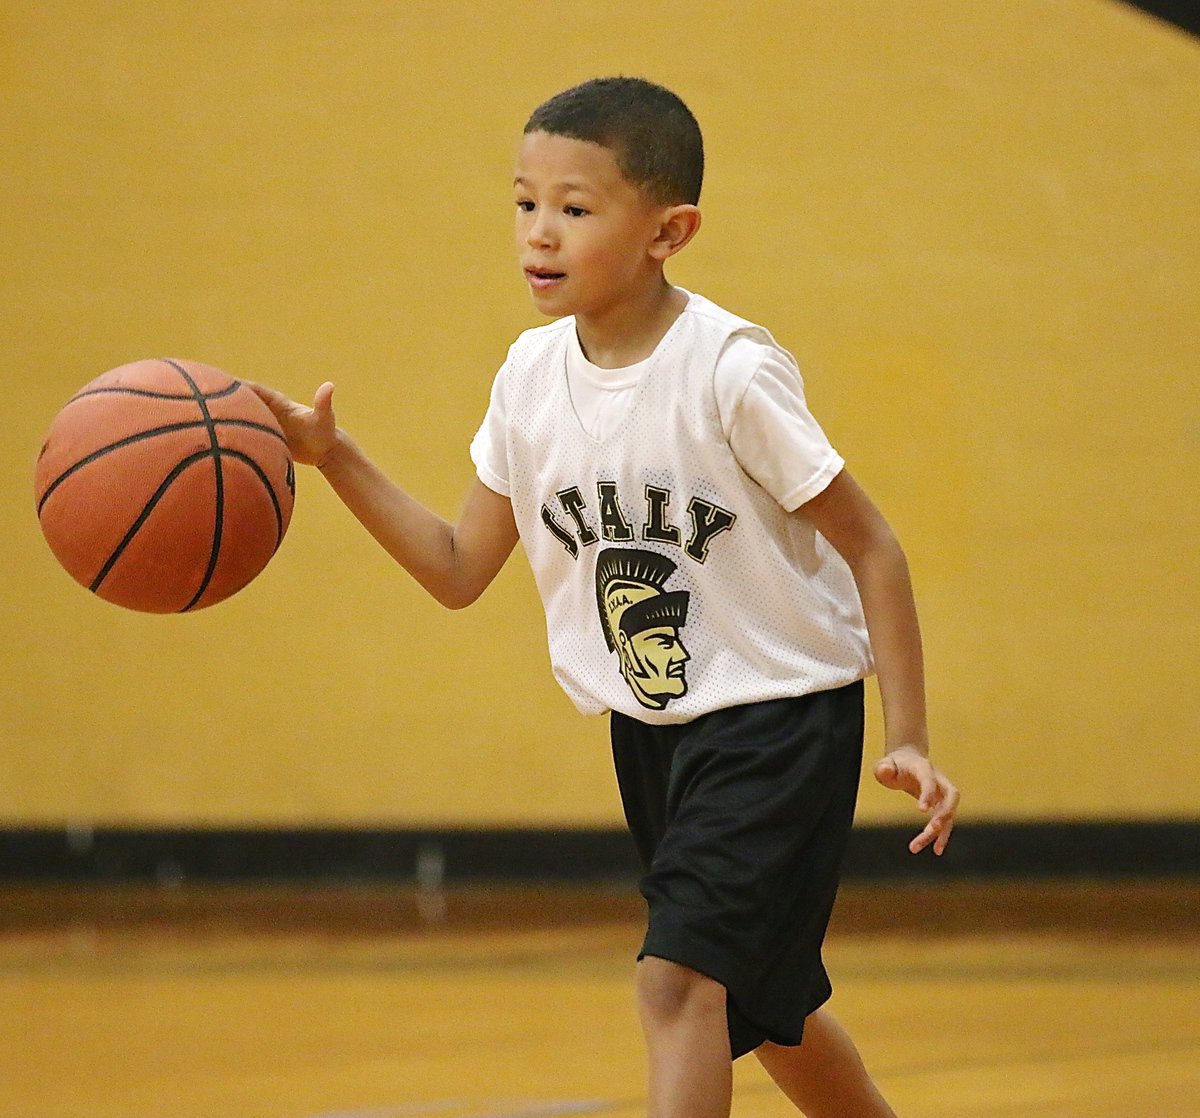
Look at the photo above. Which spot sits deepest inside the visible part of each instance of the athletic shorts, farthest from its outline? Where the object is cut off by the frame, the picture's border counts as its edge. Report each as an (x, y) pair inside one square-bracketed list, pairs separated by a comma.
[(741, 819)]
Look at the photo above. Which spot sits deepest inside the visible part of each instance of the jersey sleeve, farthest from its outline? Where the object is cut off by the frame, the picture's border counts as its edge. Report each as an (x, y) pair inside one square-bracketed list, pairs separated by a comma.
[(489, 447), (773, 435)]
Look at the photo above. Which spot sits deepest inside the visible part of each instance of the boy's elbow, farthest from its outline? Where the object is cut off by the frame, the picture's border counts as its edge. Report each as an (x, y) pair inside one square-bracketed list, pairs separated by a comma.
[(458, 593), (457, 598)]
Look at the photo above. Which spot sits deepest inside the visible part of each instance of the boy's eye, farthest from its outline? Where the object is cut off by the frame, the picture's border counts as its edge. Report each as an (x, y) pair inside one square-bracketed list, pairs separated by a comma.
[(525, 205), (574, 211)]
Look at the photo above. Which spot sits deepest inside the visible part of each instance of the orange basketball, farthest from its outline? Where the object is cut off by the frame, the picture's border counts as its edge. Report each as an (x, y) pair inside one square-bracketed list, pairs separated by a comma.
[(164, 486)]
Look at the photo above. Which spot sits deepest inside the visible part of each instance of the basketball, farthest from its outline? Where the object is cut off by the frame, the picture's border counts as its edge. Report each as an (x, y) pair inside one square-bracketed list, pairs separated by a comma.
[(164, 486)]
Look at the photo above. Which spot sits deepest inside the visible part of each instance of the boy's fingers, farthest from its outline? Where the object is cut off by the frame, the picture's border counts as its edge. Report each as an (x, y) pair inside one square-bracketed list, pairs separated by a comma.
[(937, 831), (886, 772), (918, 776), (267, 395), (942, 824), (922, 840), (929, 788), (323, 399), (891, 774), (918, 780), (281, 406)]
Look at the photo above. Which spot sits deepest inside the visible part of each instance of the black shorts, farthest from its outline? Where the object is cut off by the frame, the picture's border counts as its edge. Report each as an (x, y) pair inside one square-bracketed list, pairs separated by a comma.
[(741, 819)]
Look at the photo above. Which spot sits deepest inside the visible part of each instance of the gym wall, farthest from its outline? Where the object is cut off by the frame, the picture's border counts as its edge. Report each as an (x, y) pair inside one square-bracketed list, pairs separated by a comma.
[(974, 225)]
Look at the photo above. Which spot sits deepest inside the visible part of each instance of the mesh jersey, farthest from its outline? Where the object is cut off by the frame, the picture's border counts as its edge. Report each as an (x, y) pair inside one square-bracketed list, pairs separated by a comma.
[(673, 584)]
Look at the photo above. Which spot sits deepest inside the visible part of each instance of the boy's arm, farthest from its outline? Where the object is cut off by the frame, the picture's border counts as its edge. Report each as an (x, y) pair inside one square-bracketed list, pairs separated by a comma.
[(454, 562), (847, 518)]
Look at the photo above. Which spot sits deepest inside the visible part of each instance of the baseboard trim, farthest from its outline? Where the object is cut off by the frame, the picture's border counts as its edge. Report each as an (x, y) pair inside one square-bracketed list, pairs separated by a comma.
[(174, 855)]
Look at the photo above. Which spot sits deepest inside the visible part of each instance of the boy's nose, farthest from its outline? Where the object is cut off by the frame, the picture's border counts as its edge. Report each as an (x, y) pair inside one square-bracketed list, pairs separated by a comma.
[(541, 231)]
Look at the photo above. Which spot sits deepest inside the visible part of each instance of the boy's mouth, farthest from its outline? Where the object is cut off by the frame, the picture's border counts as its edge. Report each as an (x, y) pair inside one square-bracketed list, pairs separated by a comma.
[(543, 277)]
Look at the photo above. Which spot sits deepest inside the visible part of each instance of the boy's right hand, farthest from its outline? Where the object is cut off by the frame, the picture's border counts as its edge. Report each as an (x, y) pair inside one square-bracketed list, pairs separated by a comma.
[(311, 433)]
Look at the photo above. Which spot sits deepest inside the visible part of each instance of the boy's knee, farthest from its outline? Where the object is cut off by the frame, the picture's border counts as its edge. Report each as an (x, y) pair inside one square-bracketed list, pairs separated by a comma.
[(667, 990)]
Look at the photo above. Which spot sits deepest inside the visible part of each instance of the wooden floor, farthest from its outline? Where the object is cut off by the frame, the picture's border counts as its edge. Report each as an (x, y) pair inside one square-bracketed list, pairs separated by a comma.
[(971, 1001)]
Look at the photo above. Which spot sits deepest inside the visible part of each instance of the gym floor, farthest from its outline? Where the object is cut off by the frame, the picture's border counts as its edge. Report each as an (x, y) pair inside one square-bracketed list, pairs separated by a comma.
[(972, 1000)]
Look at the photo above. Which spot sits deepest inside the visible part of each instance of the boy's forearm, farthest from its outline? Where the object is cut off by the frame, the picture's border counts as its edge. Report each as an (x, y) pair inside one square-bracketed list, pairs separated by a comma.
[(885, 587), (417, 538)]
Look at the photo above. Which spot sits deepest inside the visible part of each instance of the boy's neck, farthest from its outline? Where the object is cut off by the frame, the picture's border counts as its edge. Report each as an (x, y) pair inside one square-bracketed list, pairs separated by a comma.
[(629, 333)]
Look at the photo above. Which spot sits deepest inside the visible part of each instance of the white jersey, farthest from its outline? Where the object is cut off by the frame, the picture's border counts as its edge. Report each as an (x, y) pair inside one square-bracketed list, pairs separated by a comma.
[(673, 582)]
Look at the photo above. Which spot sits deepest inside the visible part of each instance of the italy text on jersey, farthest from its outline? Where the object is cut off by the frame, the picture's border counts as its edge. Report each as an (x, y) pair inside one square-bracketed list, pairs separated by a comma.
[(640, 617)]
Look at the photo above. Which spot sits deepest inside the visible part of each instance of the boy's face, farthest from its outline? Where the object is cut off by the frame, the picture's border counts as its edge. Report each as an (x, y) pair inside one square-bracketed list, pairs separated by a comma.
[(584, 231)]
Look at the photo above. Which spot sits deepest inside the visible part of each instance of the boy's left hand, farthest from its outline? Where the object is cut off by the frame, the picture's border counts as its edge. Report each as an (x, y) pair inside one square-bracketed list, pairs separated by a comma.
[(907, 769)]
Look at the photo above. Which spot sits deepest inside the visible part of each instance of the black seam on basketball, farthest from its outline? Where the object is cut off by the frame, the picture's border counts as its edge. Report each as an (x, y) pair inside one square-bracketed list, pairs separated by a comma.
[(100, 452), (215, 451), (241, 456), (144, 515), (266, 429), (165, 429), (122, 390)]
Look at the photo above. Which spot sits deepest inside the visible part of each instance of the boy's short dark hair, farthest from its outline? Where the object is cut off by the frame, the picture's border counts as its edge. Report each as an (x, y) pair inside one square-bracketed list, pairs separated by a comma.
[(650, 131)]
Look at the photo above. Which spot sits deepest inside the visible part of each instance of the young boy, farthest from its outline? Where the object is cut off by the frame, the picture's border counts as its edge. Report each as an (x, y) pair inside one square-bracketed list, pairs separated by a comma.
[(710, 573)]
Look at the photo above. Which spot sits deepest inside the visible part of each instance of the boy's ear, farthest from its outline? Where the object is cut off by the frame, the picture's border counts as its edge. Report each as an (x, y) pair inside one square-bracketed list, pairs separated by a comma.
[(678, 226)]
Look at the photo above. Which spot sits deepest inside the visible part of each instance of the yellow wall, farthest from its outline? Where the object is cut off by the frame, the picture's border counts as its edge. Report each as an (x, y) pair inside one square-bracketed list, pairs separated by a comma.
[(975, 224)]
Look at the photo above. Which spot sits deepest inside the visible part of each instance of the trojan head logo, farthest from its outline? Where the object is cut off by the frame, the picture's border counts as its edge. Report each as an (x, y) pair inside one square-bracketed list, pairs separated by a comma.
[(641, 622)]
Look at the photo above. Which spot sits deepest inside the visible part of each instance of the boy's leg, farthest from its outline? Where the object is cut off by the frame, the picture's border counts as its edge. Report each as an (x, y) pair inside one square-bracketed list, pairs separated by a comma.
[(824, 1075), (687, 1041)]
